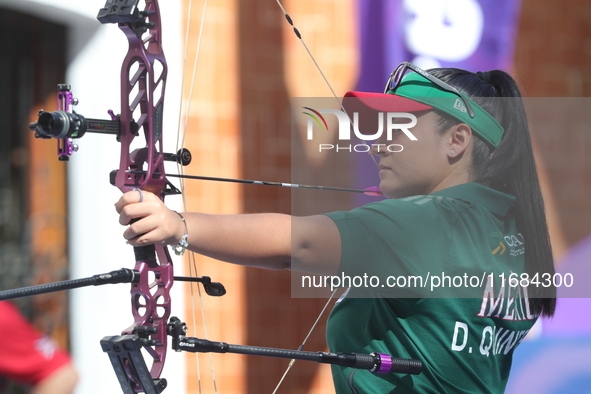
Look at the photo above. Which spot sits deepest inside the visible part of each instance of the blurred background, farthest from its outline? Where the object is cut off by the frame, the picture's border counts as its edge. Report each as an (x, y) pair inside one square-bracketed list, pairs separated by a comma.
[(57, 220)]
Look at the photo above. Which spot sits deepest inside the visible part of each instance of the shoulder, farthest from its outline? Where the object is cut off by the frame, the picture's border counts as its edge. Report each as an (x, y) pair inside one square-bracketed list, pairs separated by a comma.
[(409, 210)]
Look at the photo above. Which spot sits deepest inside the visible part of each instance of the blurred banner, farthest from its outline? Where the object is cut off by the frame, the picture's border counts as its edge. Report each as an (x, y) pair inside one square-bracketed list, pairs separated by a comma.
[(476, 35)]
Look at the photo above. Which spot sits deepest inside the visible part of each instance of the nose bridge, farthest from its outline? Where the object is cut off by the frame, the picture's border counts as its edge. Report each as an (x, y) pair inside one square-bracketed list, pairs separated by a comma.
[(382, 140), (378, 149)]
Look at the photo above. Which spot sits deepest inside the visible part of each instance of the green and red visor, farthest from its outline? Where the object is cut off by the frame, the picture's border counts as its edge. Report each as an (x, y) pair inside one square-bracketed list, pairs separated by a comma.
[(419, 91)]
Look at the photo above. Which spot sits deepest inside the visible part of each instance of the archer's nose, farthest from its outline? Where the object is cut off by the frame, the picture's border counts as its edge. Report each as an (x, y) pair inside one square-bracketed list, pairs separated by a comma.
[(379, 149)]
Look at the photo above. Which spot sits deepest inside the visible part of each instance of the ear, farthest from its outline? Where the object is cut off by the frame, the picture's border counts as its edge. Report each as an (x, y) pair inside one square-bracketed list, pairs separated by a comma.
[(457, 140)]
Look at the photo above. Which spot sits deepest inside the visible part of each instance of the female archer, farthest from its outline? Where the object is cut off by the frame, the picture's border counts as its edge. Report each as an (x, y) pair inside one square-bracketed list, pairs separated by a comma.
[(455, 197)]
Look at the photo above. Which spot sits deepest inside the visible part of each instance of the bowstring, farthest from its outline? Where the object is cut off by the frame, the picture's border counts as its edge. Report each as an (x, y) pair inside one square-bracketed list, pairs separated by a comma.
[(301, 347), (180, 144), (299, 36)]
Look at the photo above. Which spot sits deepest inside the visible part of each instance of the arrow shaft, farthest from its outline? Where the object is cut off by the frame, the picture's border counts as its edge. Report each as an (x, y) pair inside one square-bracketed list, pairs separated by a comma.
[(264, 183)]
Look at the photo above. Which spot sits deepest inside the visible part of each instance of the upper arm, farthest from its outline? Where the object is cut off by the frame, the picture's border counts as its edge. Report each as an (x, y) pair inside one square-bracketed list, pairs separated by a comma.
[(316, 245)]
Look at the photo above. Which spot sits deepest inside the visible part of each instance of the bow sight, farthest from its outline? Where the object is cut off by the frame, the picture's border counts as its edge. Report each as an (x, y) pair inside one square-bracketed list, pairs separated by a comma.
[(65, 125)]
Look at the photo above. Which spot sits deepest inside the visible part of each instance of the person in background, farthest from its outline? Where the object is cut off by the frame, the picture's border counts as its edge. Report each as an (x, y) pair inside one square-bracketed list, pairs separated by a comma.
[(30, 358)]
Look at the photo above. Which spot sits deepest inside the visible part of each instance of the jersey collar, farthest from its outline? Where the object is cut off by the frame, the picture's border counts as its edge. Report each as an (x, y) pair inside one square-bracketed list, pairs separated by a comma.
[(495, 201)]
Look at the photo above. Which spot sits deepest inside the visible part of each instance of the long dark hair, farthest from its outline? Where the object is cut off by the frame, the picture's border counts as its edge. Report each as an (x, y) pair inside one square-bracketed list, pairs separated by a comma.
[(509, 168)]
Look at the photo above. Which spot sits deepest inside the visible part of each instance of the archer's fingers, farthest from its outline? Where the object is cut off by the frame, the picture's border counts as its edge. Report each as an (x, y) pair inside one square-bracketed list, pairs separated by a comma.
[(134, 197), (138, 229), (131, 213), (133, 205), (131, 197), (144, 232), (146, 239)]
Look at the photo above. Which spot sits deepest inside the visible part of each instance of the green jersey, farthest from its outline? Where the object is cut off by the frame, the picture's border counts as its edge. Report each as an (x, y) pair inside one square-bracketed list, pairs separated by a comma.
[(443, 288)]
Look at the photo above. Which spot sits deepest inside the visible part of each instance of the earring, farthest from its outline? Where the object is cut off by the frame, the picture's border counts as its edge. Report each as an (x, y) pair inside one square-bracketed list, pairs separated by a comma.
[(453, 152)]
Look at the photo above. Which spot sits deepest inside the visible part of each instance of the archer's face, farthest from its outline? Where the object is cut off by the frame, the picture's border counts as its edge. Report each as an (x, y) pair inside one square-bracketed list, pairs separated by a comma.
[(421, 167)]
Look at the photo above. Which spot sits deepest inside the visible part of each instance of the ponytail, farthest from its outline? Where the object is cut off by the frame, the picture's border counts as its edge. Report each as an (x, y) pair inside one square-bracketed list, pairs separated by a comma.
[(510, 168)]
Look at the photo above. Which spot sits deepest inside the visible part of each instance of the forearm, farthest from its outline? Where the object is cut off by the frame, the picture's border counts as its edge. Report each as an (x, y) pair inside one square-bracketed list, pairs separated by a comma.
[(259, 240), (63, 381), (269, 240)]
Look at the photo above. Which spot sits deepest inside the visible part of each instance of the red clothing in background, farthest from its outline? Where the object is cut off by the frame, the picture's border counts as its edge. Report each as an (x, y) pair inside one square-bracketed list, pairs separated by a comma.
[(26, 355)]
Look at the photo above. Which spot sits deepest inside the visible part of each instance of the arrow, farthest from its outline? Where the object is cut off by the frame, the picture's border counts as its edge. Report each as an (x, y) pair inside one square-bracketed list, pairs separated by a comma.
[(370, 191)]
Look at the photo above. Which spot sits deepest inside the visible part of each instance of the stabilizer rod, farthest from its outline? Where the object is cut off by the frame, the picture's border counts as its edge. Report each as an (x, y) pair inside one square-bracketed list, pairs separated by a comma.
[(378, 363), (123, 275)]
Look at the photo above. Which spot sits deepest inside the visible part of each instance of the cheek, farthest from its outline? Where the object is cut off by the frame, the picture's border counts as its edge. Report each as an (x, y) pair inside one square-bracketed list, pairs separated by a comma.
[(415, 162), (423, 148), (398, 145)]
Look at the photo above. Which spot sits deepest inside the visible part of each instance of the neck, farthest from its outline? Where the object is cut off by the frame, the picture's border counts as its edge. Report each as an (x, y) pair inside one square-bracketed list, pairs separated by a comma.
[(457, 176)]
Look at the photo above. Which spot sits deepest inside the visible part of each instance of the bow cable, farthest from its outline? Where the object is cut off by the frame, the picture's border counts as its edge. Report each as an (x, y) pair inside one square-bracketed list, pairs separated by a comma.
[(301, 347), (180, 143), (299, 36)]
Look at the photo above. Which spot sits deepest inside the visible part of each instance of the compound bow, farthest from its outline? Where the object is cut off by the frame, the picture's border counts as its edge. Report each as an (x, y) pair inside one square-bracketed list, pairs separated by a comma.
[(143, 82)]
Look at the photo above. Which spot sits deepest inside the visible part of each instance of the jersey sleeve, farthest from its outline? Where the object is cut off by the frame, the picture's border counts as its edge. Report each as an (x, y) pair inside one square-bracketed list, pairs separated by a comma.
[(25, 354), (387, 240)]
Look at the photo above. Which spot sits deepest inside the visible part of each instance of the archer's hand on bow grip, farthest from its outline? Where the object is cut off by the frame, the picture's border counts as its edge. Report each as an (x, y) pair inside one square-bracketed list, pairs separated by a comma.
[(149, 220)]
